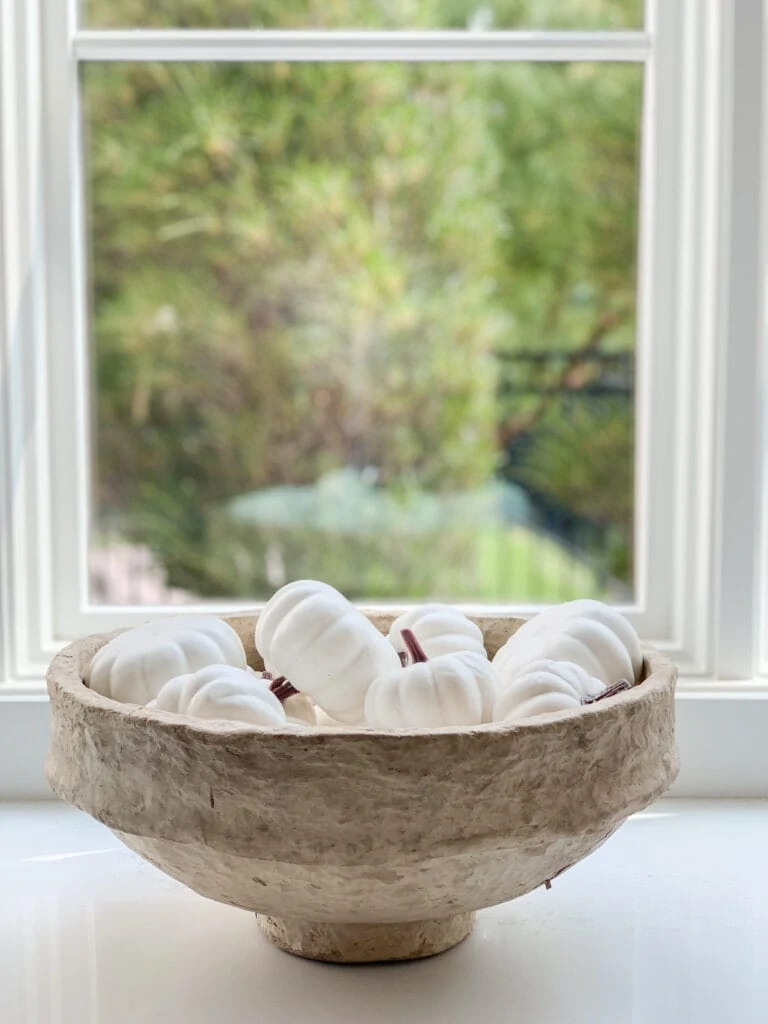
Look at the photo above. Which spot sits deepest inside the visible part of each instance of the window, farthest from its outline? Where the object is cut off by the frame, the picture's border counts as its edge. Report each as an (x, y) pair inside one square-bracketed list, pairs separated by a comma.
[(428, 299)]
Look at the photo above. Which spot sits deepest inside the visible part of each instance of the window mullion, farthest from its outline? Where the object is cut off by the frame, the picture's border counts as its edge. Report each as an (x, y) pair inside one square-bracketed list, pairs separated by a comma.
[(255, 45)]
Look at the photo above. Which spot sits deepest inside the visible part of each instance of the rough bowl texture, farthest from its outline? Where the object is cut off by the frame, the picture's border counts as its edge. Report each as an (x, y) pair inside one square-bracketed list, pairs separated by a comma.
[(332, 835)]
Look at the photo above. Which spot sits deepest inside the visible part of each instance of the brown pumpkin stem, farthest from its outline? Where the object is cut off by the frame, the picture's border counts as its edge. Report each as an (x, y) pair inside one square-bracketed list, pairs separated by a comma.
[(281, 688), (414, 648), (620, 687), (284, 691)]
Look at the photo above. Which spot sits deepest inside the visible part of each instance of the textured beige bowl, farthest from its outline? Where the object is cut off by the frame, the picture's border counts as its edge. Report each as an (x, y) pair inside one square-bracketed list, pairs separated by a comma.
[(355, 845)]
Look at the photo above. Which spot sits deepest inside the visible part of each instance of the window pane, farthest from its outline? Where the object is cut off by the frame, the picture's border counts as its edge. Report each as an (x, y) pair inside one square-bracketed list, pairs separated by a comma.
[(364, 14), (372, 323)]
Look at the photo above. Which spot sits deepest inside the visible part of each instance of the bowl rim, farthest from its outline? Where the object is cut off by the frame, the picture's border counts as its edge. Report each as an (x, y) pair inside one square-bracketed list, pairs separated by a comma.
[(659, 676)]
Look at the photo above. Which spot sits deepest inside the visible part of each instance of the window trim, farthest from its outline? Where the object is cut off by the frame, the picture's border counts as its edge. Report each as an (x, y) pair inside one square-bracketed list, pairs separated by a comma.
[(659, 191), (690, 175)]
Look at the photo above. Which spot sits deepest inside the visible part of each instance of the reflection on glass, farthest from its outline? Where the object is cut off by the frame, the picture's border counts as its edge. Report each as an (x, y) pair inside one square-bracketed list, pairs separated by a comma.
[(367, 323), (365, 14)]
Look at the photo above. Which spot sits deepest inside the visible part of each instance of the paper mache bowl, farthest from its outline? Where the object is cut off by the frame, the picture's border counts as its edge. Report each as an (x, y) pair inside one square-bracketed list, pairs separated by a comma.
[(353, 845)]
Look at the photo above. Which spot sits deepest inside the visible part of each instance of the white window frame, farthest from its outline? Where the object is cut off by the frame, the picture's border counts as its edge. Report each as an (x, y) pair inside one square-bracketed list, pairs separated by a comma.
[(699, 453)]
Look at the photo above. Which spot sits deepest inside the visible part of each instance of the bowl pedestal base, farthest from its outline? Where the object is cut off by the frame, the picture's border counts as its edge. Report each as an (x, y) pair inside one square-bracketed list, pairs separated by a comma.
[(365, 943)]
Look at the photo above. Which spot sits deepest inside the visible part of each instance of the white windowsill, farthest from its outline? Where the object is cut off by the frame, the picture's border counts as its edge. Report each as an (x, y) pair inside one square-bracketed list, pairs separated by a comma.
[(666, 923), (720, 732)]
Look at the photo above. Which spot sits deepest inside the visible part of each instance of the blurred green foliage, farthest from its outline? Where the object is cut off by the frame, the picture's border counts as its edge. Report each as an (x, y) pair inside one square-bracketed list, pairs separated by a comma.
[(365, 14), (306, 269)]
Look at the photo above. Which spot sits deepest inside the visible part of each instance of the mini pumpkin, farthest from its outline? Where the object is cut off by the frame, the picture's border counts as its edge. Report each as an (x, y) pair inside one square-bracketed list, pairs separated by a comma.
[(135, 665), (586, 632), (545, 686), (451, 689), (221, 691), (310, 633), (439, 629)]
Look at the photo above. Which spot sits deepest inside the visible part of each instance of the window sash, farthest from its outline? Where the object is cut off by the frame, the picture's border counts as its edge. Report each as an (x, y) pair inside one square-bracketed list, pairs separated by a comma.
[(686, 494)]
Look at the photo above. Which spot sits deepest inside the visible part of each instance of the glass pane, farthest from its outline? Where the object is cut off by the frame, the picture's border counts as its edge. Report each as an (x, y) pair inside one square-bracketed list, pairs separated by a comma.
[(364, 14), (372, 323)]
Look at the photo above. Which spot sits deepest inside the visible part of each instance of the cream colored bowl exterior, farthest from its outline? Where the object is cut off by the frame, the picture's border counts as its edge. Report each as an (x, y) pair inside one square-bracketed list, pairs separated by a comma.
[(354, 826)]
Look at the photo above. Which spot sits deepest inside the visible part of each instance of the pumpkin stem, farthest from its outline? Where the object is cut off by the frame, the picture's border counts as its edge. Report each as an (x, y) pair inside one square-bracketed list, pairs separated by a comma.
[(282, 689), (414, 648), (623, 684)]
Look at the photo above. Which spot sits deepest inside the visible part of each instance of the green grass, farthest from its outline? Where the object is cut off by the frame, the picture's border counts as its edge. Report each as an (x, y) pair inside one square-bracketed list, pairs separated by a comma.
[(494, 564), (519, 564)]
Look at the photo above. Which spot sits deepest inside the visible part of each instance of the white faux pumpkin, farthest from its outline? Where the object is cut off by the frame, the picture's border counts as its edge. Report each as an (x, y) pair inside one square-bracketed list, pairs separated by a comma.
[(309, 633), (221, 691), (545, 686), (439, 629), (586, 632), (136, 664), (451, 689)]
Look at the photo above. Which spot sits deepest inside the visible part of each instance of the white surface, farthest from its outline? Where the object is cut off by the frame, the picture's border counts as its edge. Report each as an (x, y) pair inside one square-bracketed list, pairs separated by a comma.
[(666, 924), (24, 731)]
